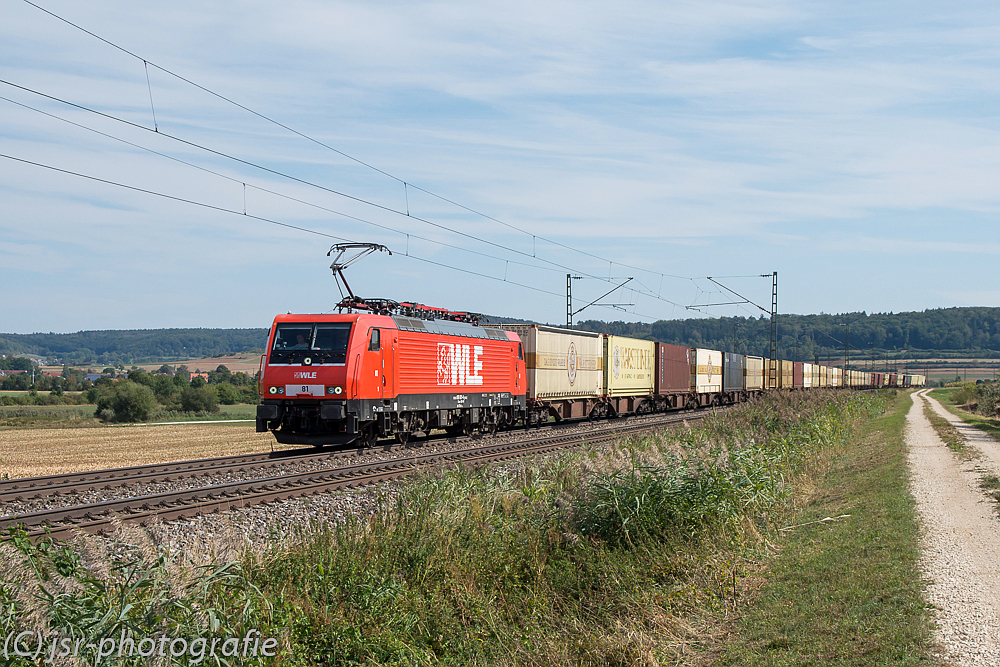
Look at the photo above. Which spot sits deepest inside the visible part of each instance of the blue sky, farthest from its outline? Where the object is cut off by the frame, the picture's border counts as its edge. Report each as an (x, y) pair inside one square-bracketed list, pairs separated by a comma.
[(851, 147)]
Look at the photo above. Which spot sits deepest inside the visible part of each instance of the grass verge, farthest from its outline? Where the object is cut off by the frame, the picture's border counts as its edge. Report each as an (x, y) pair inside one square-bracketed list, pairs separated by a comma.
[(846, 592), (985, 424), (950, 435)]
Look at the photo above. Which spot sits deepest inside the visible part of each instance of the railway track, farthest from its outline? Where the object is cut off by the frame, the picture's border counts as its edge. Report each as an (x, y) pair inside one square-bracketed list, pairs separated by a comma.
[(68, 484), (26, 488), (102, 516)]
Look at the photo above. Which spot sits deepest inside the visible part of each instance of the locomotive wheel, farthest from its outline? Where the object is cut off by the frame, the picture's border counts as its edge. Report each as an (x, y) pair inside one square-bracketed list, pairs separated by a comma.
[(367, 437)]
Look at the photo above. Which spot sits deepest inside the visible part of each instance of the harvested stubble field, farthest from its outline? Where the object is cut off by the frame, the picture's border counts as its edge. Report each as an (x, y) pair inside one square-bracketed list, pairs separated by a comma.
[(36, 451)]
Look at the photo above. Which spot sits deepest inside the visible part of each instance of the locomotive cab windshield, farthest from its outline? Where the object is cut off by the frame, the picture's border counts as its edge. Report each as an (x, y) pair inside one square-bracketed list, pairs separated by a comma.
[(322, 342)]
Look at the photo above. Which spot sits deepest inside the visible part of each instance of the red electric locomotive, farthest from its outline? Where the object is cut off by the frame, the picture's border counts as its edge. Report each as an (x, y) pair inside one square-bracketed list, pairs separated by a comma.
[(337, 379)]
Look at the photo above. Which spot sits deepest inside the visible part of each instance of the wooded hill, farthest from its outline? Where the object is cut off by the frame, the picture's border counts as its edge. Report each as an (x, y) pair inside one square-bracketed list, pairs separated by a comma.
[(948, 332), (944, 333), (107, 348)]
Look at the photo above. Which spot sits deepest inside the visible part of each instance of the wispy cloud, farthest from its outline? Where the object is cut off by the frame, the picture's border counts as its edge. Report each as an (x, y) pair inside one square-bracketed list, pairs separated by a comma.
[(672, 137)]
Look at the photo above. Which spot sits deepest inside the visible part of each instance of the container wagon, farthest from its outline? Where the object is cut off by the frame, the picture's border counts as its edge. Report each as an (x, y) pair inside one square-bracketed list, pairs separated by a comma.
[(565, 372)]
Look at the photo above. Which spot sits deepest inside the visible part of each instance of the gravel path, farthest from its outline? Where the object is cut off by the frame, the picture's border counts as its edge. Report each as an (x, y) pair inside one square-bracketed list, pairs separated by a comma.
[(961, 537)]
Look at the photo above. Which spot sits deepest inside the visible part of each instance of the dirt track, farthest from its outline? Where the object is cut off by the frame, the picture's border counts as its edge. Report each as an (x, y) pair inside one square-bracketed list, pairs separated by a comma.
[(961, 537)]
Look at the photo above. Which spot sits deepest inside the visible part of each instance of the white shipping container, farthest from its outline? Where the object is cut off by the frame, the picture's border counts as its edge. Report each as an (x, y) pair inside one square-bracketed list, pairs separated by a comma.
[(561, 363), (807, 376), (706, 371)]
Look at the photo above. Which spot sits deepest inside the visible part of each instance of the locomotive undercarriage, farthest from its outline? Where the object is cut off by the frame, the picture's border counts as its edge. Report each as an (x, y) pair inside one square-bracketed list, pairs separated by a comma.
[(315, 422)]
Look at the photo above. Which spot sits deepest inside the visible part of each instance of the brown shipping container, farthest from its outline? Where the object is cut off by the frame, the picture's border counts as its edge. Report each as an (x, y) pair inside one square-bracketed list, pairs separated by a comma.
[(797, 374), (628, 369), (673, 372), (753, 374)]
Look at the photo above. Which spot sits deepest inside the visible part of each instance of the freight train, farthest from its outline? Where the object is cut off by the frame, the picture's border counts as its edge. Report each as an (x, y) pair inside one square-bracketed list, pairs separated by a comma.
[(357, 376)]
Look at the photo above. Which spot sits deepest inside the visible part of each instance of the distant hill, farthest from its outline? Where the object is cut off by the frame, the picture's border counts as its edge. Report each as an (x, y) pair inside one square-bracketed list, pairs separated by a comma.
[(947, 332), (133, 347)]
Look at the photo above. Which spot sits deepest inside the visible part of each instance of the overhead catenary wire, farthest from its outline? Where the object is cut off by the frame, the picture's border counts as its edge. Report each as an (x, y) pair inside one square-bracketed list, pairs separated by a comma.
[(272, 192), (299, 180), (222, 209), (406, 184), (275, 172), (368, 165)]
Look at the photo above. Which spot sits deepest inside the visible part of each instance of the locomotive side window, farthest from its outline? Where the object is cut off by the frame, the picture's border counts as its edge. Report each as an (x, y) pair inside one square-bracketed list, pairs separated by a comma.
[(520, 352), (375, 344)]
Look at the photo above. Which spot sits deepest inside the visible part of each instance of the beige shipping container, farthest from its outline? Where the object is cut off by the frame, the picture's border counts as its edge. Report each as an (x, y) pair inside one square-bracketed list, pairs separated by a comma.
[(837, 376), (787, 374), (706, 371), (753, 374), (562, 363), (807, 376), (628, 366)]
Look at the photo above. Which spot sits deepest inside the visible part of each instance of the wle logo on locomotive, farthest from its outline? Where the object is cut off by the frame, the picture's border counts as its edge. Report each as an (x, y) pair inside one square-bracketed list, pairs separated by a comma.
[(454, 360)]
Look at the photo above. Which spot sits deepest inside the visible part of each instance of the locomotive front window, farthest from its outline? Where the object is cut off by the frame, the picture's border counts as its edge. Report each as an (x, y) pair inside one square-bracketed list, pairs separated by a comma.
[(293, 337), (332, 339), (323, 343)]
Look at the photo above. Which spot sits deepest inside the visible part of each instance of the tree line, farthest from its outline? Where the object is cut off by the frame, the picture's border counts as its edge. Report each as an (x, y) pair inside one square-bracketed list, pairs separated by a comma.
[(946, 332), (133, 347), (137, 395), (941, 332)]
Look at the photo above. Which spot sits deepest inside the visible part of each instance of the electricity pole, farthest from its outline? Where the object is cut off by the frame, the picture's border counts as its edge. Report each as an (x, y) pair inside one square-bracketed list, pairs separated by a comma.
[(847, 340), (569, 301), (569, 298), (772, 370)]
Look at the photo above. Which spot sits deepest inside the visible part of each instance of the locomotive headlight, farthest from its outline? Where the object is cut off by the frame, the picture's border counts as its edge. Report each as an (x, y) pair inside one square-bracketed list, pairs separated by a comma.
[(334, 390), (273, 390)]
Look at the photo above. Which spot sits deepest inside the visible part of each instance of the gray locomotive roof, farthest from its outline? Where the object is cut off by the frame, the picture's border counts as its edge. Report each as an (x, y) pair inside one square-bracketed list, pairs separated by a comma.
[(447, 328)]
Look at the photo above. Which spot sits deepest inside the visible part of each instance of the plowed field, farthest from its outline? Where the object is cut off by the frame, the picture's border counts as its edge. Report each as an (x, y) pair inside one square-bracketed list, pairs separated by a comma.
[(32, 452)]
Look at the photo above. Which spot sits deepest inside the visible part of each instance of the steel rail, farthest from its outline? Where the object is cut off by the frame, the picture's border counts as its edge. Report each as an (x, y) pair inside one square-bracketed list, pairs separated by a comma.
[(25, 488)]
